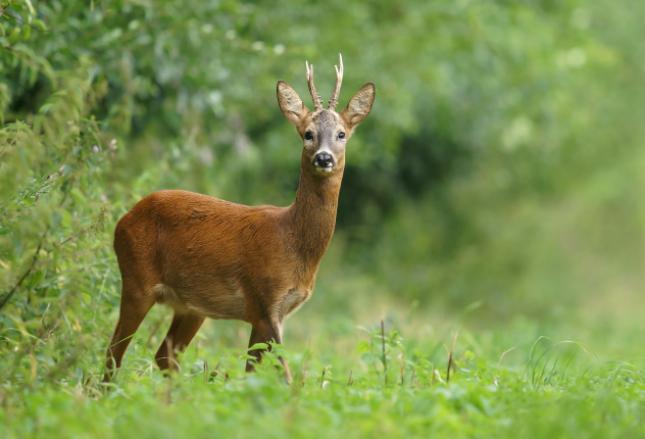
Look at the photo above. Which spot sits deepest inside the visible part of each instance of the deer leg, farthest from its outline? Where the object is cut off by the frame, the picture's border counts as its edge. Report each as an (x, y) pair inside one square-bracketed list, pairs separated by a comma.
[(182, 330), (132, 313), (265, 331)]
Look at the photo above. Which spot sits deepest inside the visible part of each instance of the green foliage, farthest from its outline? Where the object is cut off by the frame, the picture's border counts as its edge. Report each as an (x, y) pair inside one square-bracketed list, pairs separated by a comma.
[(341, 391), (495, 183)]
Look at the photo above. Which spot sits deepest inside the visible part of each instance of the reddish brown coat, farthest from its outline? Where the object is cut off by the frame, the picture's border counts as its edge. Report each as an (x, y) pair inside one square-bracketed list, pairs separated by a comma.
[(207, 257)]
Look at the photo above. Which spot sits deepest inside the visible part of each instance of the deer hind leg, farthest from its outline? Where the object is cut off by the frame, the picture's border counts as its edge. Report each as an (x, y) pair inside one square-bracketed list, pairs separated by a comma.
[(265, 331), (134, 308), (182, 330)]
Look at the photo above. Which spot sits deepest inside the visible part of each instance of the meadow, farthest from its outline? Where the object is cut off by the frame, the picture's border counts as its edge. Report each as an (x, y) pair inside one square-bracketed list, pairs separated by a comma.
[(486, 274)]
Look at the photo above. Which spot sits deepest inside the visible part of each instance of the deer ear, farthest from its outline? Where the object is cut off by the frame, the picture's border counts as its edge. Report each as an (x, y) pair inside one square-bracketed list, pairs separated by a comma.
[(359, 105), (290, 103)]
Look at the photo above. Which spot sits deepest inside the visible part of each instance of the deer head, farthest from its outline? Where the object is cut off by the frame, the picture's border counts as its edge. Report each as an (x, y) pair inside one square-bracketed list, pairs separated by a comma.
[(324, 131)]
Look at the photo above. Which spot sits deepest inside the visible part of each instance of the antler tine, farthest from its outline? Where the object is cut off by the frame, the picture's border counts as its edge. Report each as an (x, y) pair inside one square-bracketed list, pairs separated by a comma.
[(312, 88), (339, 80)]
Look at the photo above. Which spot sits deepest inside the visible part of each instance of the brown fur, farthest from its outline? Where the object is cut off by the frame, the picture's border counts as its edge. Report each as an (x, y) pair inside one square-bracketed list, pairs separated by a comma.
[(206, 257)]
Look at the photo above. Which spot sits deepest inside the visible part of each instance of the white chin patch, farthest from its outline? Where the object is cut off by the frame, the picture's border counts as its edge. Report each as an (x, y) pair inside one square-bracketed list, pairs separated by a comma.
[(324, 170)]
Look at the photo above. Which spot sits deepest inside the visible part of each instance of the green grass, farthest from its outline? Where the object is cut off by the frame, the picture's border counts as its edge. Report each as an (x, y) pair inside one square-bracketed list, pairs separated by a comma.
[(505, 382)]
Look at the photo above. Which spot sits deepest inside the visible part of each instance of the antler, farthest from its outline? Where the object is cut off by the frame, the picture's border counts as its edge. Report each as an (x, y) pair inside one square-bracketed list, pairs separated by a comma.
[(312, 88), (339, 80)]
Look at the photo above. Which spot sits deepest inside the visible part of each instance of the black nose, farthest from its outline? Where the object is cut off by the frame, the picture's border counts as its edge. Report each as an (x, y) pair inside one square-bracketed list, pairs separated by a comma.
[(323, 160)]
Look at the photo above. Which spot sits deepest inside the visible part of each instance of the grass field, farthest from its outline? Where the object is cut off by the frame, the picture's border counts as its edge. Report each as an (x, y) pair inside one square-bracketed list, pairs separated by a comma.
[(523, 379)]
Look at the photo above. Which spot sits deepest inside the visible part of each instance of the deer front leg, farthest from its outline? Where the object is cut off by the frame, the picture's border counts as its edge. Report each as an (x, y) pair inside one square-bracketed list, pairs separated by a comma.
[(265, 331)]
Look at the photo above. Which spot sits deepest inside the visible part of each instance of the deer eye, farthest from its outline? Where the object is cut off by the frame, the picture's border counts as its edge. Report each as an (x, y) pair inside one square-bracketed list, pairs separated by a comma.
[(341, 135), (309, 135)]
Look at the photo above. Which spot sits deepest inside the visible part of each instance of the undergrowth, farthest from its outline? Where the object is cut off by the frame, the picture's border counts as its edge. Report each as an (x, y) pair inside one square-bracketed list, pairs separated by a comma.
[(379, 382)]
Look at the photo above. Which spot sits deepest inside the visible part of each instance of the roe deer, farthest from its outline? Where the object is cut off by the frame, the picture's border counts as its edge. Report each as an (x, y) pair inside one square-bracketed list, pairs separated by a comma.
[(207, 257)]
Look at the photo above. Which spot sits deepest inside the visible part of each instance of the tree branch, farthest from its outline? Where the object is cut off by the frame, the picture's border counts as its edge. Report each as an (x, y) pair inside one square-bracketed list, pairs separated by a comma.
[(7, 296)]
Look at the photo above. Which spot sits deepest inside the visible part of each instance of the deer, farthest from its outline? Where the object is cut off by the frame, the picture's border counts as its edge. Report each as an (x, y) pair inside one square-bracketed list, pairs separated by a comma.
[(210, 258)]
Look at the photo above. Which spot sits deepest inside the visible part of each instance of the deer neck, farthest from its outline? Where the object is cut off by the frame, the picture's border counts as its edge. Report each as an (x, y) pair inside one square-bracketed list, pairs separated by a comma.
[(313, 213)]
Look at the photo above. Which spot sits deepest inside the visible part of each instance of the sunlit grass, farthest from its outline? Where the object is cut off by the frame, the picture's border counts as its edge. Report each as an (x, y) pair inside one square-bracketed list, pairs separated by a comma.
[(501, 384)]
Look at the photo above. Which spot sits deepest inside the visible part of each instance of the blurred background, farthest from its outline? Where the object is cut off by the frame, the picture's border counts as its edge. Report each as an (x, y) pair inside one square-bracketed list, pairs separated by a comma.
[(498, 179)]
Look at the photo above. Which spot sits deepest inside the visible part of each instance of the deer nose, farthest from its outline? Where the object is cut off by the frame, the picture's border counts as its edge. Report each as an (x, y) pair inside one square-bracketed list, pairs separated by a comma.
[(323, 160)]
